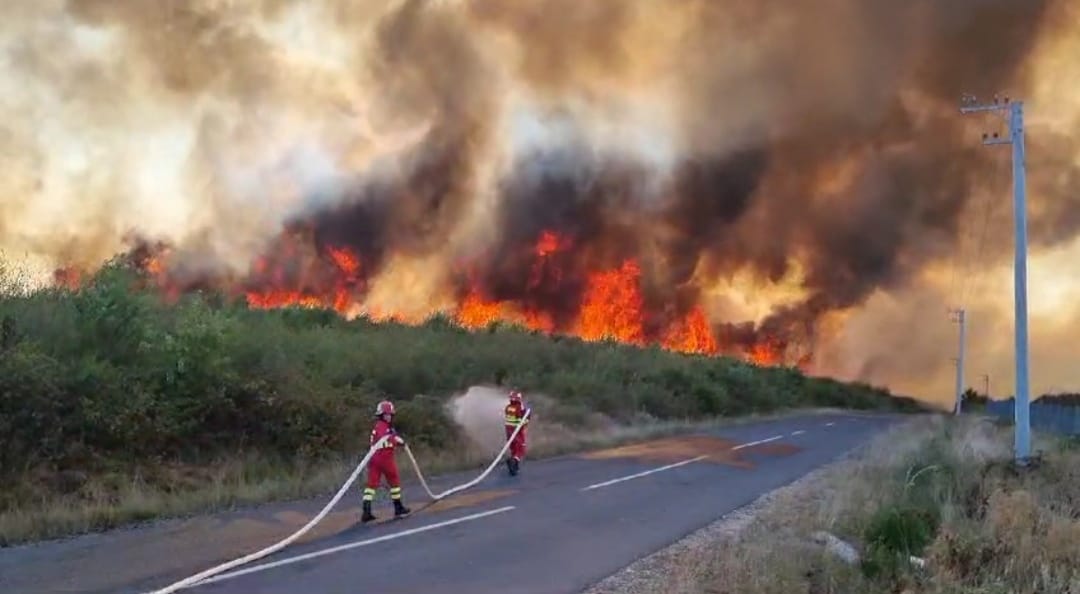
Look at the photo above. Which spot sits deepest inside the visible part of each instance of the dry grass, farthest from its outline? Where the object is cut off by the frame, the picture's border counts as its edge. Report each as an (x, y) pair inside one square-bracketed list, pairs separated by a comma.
[(101, 503), (1001, 530)]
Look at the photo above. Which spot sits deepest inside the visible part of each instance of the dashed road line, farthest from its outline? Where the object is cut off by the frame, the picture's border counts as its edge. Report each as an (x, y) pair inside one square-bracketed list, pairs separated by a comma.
[(799, 432), (758, 442), (638, 475), (646, 473)]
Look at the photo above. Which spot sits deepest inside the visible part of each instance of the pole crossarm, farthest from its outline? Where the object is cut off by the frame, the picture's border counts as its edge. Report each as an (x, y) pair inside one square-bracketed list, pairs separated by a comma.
[(983, 108)]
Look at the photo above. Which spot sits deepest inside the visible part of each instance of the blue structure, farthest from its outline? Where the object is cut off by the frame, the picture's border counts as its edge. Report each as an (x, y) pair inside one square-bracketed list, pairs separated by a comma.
[(1051, 417)]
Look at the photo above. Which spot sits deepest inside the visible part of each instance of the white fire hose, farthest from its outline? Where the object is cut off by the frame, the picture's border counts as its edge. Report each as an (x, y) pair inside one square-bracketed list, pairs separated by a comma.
[(213, 571), (476, 480)]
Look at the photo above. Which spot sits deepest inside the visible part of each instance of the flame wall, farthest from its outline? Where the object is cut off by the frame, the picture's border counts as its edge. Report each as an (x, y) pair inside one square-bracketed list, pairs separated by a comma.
[(788, 176)]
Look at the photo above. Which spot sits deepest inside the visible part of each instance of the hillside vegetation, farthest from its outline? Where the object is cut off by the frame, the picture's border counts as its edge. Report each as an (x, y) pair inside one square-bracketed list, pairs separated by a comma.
[(108, 391)]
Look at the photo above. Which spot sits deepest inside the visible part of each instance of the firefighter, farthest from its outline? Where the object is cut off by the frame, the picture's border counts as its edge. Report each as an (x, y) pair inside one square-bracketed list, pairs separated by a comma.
[(515, 412), (382, 462)]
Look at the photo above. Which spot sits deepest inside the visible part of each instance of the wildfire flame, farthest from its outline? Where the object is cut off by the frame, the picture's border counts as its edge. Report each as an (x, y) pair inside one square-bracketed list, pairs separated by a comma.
[(693, 335), (68, 278), (767, 352), (611, 307)]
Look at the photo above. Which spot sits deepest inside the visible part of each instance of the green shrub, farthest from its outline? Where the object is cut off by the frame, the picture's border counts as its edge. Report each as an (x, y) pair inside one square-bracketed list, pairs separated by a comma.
[(111, 380), (425, 421), (34, 409), (894, 535)]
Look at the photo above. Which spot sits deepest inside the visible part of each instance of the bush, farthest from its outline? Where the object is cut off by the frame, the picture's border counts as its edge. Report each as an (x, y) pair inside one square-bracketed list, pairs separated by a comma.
[(425, 421), (894, 535), (110, 380)]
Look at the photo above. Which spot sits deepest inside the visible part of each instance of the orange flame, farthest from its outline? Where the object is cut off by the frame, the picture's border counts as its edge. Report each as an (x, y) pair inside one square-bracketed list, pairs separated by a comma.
[(69, 278), (155, 266), (549, 243), (692, 335), (475, 312), (538, 320), (336, 293), (612, 305), (346, 261), (276, 299), (767, 352)]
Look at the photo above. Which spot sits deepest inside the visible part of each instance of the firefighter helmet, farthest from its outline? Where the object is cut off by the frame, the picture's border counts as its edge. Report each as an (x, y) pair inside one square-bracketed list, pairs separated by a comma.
[(384, 408), (515, 396)]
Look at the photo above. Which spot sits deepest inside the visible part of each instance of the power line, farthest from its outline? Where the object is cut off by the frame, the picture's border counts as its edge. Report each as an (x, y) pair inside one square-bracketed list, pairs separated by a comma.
[(989, 210), (974, 265), (964, 264), (968, 270)]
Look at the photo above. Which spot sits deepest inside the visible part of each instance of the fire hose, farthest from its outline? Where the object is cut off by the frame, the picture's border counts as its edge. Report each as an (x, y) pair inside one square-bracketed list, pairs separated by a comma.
[(219, 569), (476, 480)]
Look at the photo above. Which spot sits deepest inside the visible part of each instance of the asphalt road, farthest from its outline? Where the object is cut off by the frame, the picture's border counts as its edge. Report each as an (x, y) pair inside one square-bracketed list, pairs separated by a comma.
[(559, 527)]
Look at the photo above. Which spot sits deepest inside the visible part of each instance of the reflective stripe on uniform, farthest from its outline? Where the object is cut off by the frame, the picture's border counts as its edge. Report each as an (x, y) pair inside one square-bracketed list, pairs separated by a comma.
[(369, 494), (388, 444), (395, 493)]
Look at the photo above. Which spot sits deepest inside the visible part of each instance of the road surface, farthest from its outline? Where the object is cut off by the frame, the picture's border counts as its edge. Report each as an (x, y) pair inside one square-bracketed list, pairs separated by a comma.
[(560, 526)]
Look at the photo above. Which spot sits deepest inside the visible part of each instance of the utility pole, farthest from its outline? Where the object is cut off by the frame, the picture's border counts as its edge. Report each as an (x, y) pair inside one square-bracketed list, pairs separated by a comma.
[(986, 383), (959, 317), (1013, 112)]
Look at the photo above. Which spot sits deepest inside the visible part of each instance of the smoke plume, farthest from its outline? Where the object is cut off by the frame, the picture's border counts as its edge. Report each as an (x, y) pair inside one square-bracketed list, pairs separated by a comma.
[(713, 175), (479, 412)]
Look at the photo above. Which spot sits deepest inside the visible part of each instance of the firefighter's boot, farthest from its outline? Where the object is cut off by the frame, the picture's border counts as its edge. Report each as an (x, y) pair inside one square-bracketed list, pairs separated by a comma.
[(400, 509), (367, 516), (513, 465)]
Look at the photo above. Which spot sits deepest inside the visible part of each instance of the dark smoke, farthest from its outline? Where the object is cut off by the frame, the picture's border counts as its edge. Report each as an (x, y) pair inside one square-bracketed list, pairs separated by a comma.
[(820, 138), (870, 83)]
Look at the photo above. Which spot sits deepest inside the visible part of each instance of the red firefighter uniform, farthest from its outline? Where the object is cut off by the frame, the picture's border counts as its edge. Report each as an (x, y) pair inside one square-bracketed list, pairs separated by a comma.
[(382, 462), (515, 416)]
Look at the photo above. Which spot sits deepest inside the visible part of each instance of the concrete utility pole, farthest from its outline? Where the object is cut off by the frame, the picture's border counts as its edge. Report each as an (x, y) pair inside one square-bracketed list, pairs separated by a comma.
[(1013, 112), (959, 316)]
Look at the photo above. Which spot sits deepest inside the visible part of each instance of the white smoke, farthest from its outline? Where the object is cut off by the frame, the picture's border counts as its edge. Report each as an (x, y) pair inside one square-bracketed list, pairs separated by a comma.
[(479, 411)]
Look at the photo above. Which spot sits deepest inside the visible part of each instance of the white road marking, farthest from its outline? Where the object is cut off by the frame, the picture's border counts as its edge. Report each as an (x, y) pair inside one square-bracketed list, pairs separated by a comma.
[(799, 432), (676, 464), (351, 545), (646, 473), (758, 442), (829, 424)]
